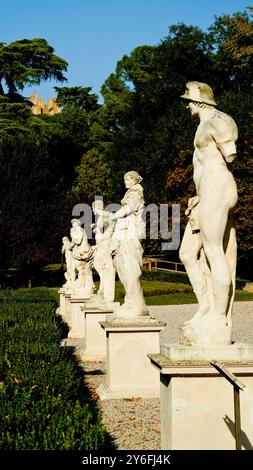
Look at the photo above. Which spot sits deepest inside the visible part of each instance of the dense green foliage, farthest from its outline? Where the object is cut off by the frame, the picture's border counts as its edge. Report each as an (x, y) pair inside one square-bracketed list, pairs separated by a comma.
[(50, 163), (144, 125), (40, 389), (37, 156), (28, 62)]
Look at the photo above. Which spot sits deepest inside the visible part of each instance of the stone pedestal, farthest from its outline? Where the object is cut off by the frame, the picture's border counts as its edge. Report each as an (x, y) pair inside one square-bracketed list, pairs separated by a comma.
[(65, 308), (129, 372), (67, 317), (197, 403), (234, 352), (61, 293), (95, 337), (77, 319)]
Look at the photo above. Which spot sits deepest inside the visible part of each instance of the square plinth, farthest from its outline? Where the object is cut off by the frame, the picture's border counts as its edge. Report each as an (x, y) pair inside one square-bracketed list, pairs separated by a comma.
[(66, 312), (197, 404), (234, 352), (61, 310), (129, 372), (77, 320), (95, 337)]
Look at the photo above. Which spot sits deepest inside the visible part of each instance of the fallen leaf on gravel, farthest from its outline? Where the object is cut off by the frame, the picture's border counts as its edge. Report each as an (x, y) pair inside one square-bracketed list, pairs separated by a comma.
[(93, 392)]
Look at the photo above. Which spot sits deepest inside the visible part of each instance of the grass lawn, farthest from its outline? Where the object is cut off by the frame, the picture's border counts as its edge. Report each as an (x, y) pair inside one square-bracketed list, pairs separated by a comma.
[(171, 293), (177, 299), (165, 293), (171, 299)]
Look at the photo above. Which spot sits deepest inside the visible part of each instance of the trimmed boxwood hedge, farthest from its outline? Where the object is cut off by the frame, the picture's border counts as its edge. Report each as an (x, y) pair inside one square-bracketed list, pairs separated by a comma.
[(41, 404)]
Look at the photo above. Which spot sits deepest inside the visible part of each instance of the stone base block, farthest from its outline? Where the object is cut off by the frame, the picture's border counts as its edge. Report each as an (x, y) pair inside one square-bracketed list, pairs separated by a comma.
[(129, 372), (95, 338), (77, 320), (61, 293), (205, 331), (64, 309), (96, 303), (197, 405), (233, 352), (67, 317)]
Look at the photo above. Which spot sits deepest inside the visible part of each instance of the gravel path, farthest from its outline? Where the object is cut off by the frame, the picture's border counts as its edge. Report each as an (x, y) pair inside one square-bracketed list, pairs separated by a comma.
[(175, 315), (135, 423)]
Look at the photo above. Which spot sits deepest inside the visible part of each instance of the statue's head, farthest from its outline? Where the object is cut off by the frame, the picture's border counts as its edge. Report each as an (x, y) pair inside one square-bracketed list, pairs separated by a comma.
[(199, 93), (65, 239), (97, 205), (75, 222), (132, 177)]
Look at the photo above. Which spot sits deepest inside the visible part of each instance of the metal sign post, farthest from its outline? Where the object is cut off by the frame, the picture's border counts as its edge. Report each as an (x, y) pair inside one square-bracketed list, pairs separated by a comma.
[(238, 385)]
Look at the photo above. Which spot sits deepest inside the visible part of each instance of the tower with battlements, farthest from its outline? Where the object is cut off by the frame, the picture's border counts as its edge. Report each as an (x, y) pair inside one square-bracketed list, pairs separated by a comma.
[(39, 106)]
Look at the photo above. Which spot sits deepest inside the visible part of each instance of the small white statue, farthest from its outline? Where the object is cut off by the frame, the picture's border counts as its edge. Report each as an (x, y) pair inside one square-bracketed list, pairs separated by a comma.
[(208, 248), (82, 254), (129, 229), (102, 256), (70, 274)]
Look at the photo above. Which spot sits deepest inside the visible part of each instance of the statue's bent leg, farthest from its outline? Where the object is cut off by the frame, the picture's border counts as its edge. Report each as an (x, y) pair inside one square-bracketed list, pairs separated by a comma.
[(230, 248), (194, 264), (213, 221), (109, 281), (88, 280)]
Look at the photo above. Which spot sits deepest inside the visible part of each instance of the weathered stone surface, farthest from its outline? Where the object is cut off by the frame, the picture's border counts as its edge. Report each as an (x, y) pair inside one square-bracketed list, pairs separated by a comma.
[(208, 248), (129, 372)]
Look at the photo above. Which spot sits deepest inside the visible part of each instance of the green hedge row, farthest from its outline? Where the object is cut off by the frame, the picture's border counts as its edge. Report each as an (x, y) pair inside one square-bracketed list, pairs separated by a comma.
[(165, 276), (41, 404)]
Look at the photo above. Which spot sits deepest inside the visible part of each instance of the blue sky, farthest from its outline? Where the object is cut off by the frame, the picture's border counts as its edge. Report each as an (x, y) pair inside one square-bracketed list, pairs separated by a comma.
[(92, 35)]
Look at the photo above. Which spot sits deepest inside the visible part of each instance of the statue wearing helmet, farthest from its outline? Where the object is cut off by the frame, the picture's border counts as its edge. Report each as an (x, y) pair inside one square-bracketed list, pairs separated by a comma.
[(208, 249), (199, 92)]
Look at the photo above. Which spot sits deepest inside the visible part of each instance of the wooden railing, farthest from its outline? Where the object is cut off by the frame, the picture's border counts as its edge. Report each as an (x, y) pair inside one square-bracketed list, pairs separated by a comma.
[(158, 264)]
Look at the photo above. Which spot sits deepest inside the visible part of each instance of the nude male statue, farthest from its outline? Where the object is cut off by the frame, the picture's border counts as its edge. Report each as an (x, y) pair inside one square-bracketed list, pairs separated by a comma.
[(208, 248)]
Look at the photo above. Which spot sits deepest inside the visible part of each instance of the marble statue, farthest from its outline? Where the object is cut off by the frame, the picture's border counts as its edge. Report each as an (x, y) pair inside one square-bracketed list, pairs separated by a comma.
[(70, 274), (129, 228), (208, 248), (82, 254), (102, 253)]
